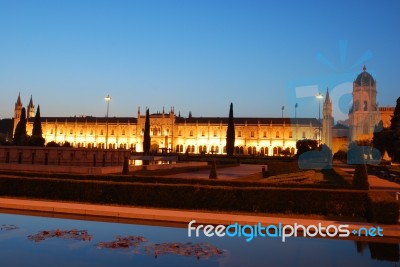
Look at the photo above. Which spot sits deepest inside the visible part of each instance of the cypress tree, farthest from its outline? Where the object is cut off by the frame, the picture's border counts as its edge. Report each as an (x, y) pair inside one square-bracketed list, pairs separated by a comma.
[(20, 130), (395, 121), (393, 146), (37, 124), (230, 134), (146, 134), (37, 138)]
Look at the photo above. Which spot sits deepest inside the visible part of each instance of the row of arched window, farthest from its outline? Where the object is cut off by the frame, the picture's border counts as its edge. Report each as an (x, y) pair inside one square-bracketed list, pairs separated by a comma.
[(111, 132)]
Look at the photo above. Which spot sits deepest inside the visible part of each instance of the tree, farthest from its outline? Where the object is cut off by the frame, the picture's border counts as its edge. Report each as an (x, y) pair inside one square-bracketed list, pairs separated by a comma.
[(394, 146), (20, 131), (37, 138), (395, 121), (381, 138), (146, 134), (306, 145), (230, 134)]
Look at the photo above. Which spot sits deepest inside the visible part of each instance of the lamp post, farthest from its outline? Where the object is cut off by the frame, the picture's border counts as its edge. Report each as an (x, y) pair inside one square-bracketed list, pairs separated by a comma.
[(107, 98), (319, 97)]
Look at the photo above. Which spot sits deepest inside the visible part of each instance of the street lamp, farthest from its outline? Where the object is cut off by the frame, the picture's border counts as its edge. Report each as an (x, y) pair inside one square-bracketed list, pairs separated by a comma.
[(107, 98), (319, 97)]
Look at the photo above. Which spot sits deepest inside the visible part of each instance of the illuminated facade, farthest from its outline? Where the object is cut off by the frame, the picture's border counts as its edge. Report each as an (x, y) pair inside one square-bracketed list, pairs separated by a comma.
[(169, 132)]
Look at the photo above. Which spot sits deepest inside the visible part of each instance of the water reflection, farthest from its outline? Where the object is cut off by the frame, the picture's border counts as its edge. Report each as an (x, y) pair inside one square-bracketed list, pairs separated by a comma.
[(380, 251), (17, 250)]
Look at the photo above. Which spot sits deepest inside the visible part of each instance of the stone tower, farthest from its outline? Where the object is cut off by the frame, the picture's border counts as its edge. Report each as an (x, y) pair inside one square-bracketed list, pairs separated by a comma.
[(17, 111), (327, 121), (364, 114), (30, 109)]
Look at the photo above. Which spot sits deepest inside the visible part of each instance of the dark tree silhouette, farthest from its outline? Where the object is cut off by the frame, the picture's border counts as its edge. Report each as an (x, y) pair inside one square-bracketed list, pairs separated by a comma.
[(230, 134), (306, 145), (146, 134), (37, 139), (20, 131), (37, 124)]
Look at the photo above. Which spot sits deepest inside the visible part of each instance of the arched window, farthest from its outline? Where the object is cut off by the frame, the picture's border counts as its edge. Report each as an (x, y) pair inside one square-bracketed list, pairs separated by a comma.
[(290, 134), (262, 151), (365, 106), (254, 150), (266, 151), (292, 151), (192, 148), (123, 131), (216, 149), (224, 149), (177, 148), (205, 149), (237, 151), (277, 134), (241, 150), (265, 134), (212, 149), (249, 150), (181, 148), (191, 133), (101, 132)]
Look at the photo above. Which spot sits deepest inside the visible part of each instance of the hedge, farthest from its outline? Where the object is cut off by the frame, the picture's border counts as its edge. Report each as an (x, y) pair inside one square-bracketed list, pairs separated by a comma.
[(336, 184), (219, 198), (383, 208)]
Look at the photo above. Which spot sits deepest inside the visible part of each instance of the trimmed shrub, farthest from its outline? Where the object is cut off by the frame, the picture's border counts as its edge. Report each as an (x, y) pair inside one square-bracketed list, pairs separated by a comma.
[(360, 178), (213, 171), (383, 208), (347, 203)]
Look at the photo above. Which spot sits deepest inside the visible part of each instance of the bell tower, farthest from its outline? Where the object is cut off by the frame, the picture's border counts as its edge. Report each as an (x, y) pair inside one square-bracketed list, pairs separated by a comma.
[(363, 114), (17, 111), (327, 121)]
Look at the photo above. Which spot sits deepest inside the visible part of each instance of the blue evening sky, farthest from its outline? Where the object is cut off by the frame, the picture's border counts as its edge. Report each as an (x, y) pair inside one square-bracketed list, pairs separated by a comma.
[(194, 55)]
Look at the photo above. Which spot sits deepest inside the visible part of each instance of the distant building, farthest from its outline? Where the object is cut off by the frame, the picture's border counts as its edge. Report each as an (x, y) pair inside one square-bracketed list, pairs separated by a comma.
[(169, 132), (261, 136)]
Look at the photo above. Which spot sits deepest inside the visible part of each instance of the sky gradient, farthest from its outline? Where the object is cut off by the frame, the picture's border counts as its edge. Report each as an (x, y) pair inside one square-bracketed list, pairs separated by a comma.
[(196, 56)]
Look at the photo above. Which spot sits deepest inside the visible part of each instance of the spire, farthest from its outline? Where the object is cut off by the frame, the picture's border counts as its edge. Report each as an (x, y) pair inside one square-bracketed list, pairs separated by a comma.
[(19, 103), (31, 103), (364, 68), (327, 98)]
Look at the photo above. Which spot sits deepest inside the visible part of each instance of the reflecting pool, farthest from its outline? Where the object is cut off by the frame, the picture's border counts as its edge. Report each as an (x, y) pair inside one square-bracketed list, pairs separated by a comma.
[(72, 242)]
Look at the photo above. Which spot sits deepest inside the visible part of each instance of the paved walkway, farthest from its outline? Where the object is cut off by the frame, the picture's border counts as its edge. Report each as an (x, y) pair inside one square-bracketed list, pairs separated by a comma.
[(178, 216), (223, 173)]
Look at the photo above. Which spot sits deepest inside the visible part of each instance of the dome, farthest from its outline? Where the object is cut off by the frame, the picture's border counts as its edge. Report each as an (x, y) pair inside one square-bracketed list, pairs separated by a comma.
[(364, 78)]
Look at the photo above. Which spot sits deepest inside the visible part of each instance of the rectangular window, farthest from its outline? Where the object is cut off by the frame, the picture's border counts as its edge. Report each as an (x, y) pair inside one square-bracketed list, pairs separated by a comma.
[(240, 134), (252, 134), (290, 134), (265, 134)]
